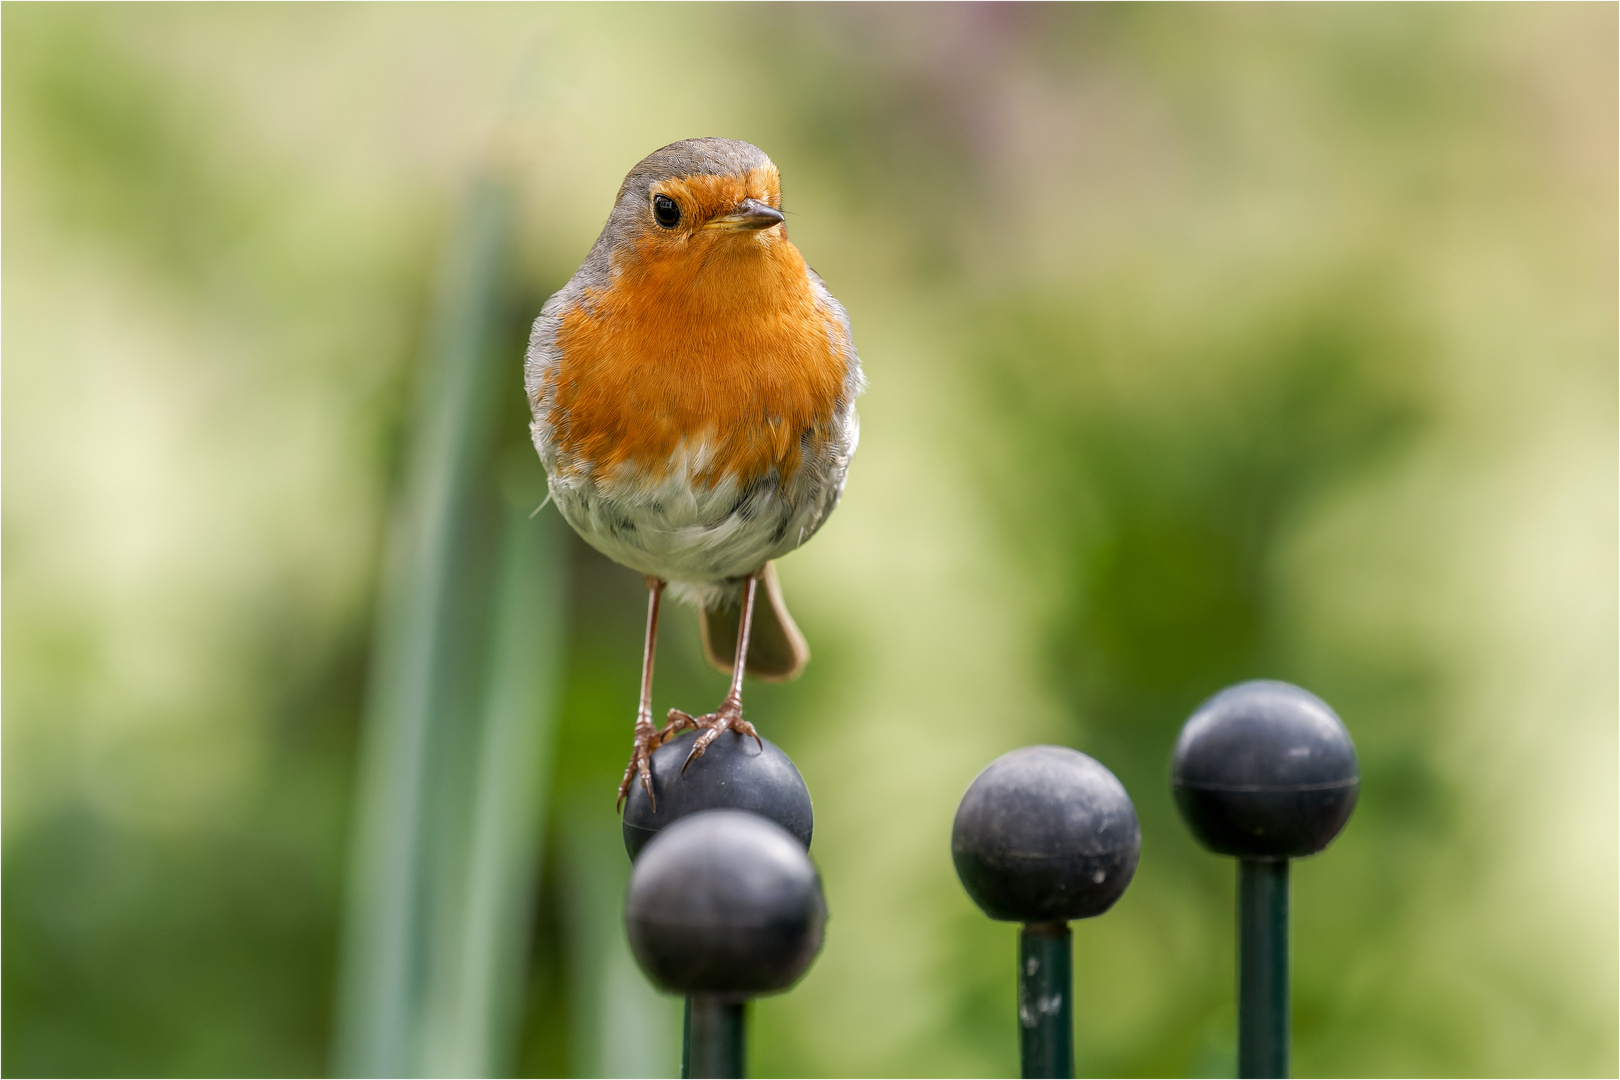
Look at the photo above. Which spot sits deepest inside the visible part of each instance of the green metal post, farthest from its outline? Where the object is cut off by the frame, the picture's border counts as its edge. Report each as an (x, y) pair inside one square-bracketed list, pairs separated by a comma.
[(1263, 996), (715, 1037), (1045, 1010)]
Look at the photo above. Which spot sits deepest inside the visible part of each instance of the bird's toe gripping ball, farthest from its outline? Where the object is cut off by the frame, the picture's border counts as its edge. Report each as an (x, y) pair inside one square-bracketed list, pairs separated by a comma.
[(1265, 770), (725, 903), (1045, 834), (735, 773)]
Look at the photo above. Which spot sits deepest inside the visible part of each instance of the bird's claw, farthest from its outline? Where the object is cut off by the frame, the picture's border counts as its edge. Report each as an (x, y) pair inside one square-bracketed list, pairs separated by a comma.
[(646, 740), (728, 717)]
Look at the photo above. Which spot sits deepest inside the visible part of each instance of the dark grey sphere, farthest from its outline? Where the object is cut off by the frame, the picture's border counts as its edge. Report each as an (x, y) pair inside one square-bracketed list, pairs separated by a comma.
[(1265, 770), (734, 773), (1045, 834), (724, 902)]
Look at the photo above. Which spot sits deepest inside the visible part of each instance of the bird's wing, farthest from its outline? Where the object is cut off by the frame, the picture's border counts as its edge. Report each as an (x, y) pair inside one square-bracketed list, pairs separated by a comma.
[(542, 357)]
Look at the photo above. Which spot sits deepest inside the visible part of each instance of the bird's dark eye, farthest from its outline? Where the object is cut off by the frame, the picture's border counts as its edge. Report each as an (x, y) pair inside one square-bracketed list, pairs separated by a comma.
[(665, 210)]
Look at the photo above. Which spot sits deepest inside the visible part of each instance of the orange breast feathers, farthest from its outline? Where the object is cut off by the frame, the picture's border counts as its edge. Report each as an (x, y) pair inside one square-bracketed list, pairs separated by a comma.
[(720, 343)]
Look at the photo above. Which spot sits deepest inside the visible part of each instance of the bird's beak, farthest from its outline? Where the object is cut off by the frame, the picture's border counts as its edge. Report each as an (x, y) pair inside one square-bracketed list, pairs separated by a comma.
[(750, 214)]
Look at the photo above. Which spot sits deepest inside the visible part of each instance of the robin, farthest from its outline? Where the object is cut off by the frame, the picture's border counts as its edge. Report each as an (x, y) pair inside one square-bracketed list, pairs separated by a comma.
[(693, 389)]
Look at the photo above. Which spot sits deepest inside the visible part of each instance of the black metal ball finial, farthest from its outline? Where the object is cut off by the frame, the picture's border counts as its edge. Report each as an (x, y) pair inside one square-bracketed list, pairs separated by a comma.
[(735, 773), (1265, 770), (724, 902), (1045, 834)]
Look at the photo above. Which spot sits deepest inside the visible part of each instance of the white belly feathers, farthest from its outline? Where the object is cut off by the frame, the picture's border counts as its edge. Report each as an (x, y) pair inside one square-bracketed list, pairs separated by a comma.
[(702, 537)]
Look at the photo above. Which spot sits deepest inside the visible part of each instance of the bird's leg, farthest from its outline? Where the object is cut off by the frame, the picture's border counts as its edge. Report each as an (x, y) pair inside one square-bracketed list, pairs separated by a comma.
[(646, 734), (729, 716)]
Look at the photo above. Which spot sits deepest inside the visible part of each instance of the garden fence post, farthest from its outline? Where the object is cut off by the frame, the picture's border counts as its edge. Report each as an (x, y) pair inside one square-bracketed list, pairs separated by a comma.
[(724, 902), (1045, 835), (1266, 772)]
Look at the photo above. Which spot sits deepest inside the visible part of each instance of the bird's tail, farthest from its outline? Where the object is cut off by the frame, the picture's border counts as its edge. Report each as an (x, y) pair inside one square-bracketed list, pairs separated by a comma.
[(777, 650)]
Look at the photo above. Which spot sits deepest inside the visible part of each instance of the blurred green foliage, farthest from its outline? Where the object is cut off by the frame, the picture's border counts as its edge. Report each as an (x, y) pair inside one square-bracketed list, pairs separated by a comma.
[(1205, 343)]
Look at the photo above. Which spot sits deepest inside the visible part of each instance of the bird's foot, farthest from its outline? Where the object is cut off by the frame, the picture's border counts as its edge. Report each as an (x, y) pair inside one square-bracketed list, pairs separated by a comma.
[(728, 717), (647, 740)]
